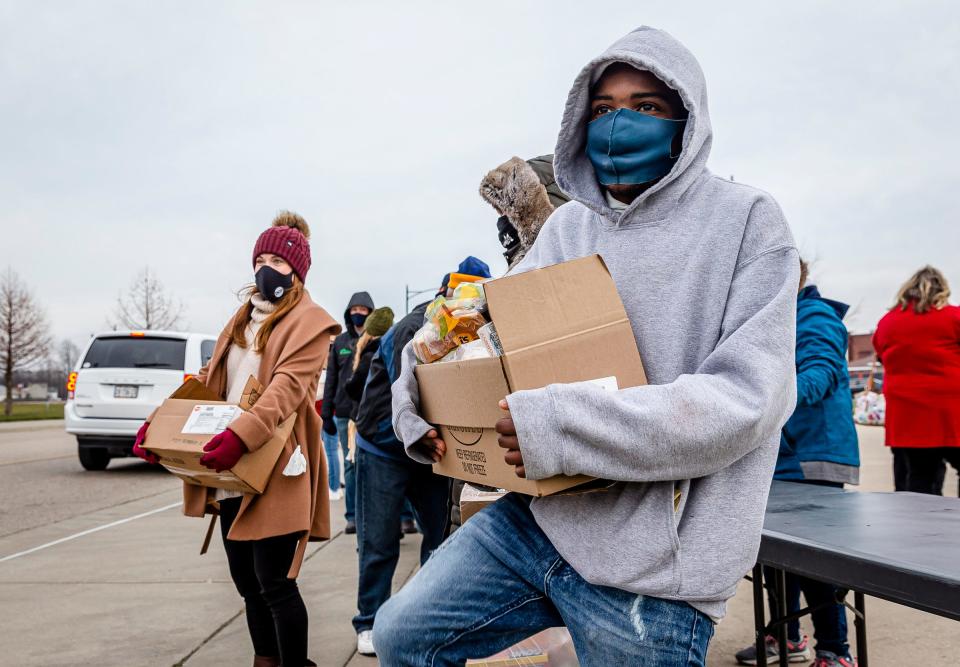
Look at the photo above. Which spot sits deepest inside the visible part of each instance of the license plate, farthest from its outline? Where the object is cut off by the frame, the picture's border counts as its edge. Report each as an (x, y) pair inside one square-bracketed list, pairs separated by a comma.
[(125, 391)]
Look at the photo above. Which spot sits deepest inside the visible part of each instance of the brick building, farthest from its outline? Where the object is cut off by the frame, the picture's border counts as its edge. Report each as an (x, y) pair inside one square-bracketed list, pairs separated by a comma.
[(860, 350)]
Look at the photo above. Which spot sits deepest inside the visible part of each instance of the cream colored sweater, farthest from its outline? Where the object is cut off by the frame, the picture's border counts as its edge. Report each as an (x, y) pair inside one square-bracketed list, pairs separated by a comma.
[(244, 362)]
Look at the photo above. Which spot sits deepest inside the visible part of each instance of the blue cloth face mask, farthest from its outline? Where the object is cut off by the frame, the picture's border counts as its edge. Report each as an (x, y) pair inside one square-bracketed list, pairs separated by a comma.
[(629, 147), (358, 319)]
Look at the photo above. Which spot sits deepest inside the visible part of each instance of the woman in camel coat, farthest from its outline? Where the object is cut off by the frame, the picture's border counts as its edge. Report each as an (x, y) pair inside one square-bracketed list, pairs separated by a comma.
[(280, 336)]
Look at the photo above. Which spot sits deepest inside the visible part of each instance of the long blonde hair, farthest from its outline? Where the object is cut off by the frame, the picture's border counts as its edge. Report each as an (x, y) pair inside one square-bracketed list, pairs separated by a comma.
[(926, 289), (238, 333), (362, 342)]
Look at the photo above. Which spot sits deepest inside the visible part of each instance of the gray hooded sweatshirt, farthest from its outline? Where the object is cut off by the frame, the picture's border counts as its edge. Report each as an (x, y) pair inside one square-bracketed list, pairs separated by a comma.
[(708, 273)]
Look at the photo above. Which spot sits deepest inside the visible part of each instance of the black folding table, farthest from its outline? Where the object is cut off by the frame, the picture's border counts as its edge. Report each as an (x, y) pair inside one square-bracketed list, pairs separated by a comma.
[(902, 547)]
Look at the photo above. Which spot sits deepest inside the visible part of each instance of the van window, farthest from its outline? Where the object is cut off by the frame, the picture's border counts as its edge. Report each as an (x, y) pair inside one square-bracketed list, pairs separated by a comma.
[(130, 352), (206, 351)]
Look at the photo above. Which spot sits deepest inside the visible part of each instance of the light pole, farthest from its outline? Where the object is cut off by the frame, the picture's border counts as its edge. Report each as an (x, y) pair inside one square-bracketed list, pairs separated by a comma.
[(411, 293)]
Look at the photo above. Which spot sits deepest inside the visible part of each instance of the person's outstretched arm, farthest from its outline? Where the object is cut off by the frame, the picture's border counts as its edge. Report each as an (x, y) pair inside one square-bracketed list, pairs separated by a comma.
[(821, 360)]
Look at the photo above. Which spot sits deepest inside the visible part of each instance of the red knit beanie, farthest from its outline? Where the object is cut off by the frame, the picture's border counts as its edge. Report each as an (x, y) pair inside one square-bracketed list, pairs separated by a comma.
[(287, 238)]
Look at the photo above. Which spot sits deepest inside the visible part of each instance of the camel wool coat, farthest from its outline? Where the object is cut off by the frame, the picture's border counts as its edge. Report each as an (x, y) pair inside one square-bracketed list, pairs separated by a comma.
[(289, 370)]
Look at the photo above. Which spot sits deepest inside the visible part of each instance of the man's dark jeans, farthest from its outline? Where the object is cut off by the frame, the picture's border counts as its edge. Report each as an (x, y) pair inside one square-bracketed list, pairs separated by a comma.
[(382, 486), (349, 471)]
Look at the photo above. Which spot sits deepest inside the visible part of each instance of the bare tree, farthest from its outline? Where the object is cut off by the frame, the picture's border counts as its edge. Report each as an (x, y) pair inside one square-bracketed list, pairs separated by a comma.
[(146, 305), (24, 335), (67, 353)]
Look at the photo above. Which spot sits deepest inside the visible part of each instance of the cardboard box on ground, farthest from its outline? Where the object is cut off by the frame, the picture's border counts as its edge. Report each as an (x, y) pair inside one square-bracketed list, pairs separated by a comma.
[(472, 500), (192, 415), (560, 324), (552, 647)]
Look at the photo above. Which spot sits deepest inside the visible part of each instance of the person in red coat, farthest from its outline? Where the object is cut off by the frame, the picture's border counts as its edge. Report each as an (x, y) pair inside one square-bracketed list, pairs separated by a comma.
[(918, 343)]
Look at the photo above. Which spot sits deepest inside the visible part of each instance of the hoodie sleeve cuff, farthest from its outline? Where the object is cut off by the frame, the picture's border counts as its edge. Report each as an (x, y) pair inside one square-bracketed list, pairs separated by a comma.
[(542, 444), (410, 428)]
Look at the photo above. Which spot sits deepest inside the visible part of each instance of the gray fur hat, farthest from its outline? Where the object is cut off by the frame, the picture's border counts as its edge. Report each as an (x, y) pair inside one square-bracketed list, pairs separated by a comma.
[(526, 192)]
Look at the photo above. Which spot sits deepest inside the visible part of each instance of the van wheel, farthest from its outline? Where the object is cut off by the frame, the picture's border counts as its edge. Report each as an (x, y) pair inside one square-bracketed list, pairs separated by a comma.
[(93, 458)]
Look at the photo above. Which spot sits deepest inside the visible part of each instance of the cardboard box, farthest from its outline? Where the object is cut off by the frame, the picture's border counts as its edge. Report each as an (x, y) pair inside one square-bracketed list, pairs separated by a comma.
[(192, 415), (472, 500), (552, 647), (560, 324)]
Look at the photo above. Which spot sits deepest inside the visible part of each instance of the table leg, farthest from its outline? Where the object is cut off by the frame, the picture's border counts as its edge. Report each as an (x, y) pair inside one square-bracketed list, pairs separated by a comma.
[(781, 584), (759, 622), (861, 622)]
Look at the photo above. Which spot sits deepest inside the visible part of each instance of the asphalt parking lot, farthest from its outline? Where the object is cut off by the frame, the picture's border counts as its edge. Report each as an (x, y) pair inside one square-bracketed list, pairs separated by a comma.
[(100, 568)]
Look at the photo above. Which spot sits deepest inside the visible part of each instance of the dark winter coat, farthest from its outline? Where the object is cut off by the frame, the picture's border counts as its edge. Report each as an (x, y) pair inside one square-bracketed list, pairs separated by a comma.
[(358, 379), (336, 401), (819, 442), (375, 415)]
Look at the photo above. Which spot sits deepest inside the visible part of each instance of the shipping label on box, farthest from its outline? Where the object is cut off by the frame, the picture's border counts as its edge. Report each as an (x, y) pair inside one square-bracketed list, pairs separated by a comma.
[(210, 419), (560, 324)]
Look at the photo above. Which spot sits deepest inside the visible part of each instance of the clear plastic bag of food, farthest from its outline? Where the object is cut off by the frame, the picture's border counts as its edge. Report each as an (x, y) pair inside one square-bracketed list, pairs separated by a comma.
[(450, 323), (475, 349), (437, 338), (429, 345), (469, 295)]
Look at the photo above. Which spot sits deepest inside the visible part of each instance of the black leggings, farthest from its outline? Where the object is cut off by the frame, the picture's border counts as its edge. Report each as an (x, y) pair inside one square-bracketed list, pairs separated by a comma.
[(276, 615)]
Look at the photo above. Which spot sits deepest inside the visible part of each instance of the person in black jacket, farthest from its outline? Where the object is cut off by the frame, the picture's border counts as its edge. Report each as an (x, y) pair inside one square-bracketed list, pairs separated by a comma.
[(337, 405), (386, 476), (377, 324)]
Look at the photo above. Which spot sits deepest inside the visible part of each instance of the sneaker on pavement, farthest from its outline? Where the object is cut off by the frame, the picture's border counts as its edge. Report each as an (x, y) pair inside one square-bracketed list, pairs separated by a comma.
[(408, 526), (796, 651), (829, 659), (351, 527), (336, 495), (365, 642)]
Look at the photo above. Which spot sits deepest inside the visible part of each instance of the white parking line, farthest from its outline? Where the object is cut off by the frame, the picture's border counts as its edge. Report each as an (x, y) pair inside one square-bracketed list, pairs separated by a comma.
[(88, 532), (49, 458)]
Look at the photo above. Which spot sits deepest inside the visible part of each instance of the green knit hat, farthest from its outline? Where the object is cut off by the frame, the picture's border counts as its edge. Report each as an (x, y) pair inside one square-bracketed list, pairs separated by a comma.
[(379, 321)]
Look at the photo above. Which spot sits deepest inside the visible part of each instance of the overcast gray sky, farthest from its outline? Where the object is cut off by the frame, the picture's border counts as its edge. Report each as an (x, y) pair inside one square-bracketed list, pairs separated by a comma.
[(169, 133)]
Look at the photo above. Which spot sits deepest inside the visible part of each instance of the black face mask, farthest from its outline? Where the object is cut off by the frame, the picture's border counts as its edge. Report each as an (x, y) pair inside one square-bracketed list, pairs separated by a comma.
[(509, 238), (272, 284)]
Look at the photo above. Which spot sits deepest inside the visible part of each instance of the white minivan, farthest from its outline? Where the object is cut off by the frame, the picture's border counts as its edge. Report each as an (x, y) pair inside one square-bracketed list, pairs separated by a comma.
[(119, 380)]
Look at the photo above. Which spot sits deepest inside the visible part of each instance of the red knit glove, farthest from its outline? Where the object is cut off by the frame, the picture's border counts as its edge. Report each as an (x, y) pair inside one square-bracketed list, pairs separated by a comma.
[(223, 451), (138, 449)]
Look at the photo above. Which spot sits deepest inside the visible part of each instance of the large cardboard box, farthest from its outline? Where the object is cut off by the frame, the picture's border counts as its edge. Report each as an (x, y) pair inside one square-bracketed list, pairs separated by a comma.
[(192, 415), (560, 324)]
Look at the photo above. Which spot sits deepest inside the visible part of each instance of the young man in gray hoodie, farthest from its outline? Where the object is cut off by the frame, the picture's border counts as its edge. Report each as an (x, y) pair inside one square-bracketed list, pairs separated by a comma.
[(707, 271)]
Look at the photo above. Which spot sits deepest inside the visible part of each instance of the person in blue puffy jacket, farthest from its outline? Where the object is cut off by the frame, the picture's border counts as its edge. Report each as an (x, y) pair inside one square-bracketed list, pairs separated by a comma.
[(819, 442), (818, 445)]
